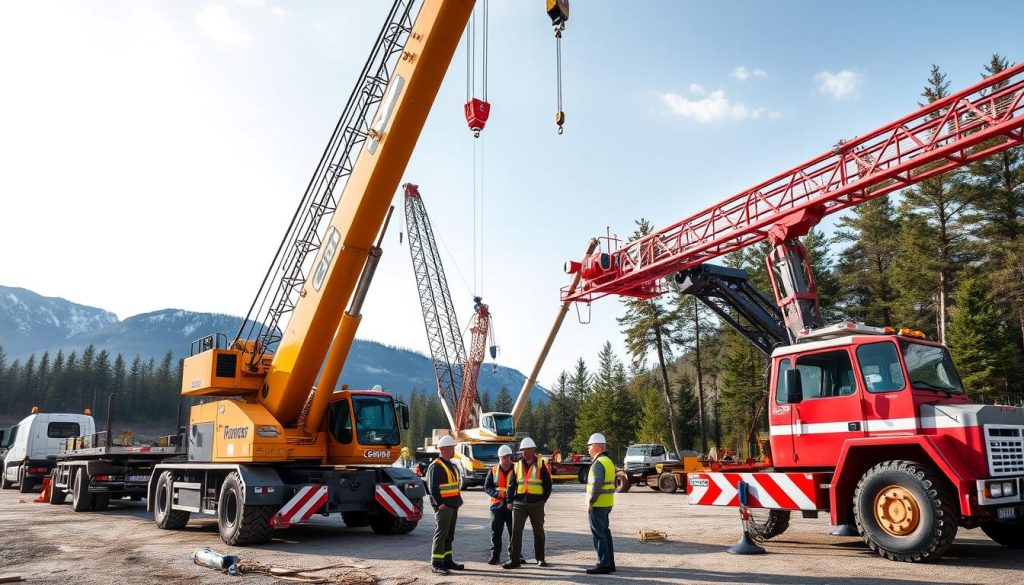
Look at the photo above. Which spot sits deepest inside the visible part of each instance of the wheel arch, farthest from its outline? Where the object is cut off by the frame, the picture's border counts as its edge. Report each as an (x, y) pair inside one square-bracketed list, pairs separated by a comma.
[(859, 455)]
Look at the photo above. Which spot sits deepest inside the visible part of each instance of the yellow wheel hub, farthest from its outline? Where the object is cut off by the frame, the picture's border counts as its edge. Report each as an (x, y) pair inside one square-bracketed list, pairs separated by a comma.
[(897, 511)]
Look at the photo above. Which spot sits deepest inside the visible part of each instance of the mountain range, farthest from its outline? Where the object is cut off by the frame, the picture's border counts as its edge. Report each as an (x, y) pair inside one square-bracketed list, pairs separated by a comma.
[(31, 324)]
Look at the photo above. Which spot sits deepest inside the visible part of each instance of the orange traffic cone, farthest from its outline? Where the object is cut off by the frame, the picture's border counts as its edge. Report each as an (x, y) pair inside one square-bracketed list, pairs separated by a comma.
[(44, 497)]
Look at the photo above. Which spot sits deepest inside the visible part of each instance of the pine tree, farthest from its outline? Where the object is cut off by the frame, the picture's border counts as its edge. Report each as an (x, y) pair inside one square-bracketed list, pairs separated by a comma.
[(864, 268), (651, 325), (579, 383), (979, 342), (563, 413), (608, 408), (503, 401), (695, 324), (742, 388), (53, 385), (823, 269), (936, 206)]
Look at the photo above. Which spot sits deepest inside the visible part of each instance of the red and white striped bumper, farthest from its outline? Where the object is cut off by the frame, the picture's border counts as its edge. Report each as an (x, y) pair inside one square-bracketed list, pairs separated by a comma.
[(306, 502), (391, 498), (781, 491)]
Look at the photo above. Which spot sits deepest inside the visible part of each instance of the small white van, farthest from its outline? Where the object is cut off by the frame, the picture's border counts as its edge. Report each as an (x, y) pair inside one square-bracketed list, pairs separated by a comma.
[(34, 443)]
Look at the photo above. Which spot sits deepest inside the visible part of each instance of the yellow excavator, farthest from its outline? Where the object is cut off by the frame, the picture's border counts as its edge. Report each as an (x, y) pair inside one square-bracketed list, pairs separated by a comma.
[(273, 442)]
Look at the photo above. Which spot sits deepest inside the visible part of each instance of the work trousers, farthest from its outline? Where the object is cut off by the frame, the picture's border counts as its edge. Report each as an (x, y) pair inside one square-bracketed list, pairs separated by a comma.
[(520, 512), (501, 521), (444, 534), (601, 530)]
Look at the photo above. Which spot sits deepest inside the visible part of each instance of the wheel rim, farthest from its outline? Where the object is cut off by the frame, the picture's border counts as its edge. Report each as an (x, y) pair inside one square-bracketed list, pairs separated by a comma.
[(897, 511)]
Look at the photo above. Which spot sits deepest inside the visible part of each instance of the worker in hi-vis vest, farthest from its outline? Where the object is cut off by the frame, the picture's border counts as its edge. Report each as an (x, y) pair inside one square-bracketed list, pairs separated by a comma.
[(496, 486), (529, 489), (443, 480), (600, 499)]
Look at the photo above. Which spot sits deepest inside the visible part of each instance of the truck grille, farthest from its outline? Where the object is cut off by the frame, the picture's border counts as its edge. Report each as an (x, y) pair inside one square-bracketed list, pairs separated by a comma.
[(1005, 449)]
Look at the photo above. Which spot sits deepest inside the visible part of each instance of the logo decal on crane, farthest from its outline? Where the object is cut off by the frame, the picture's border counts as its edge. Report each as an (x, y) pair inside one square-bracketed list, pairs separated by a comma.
[(330, 249)]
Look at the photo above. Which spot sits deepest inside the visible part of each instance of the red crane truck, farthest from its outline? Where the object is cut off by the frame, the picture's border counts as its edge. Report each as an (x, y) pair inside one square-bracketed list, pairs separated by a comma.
[(869, 424)]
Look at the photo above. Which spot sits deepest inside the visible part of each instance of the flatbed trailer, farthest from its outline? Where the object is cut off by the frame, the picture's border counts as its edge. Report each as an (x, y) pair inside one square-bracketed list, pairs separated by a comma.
[(95, 469)]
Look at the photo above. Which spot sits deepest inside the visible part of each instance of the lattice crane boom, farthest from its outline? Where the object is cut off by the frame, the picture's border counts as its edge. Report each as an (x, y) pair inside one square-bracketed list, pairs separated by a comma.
[(447, 352), (467, 414), (970, 125)]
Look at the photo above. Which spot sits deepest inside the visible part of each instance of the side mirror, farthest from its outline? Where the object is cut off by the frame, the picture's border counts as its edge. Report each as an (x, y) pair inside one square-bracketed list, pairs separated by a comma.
[(792, 386), (403, 412)]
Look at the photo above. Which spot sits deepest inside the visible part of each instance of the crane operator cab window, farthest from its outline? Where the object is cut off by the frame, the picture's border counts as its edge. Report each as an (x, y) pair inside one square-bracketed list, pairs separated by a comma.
[(376, 423), (880, 367), (499, 423), (822, 375), (340, 421)]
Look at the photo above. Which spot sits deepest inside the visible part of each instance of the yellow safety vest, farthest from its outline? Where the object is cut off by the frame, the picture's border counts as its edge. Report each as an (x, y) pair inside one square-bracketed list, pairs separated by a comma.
[(529, 483), (451, 488), (501, 483), (606, 499)]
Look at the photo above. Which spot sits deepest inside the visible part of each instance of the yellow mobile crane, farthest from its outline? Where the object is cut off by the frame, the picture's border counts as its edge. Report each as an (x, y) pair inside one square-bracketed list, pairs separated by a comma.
[(277, 443)]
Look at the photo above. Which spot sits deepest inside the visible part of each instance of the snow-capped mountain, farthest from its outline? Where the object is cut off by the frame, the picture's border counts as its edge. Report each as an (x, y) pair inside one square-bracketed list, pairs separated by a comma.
[(32, 324)]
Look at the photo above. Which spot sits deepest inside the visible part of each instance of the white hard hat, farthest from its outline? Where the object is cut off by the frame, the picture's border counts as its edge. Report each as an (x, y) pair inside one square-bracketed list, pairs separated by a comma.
[(446, 441), (597, 438), (504, 450), (527, 444)]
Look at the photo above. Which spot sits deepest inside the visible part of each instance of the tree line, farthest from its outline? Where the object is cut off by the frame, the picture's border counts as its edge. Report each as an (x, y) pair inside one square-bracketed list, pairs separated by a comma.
[(144, 390)]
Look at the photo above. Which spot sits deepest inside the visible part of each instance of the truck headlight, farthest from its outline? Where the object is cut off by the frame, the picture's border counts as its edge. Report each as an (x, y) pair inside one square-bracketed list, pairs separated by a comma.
[(995, 490), (1002, 489)]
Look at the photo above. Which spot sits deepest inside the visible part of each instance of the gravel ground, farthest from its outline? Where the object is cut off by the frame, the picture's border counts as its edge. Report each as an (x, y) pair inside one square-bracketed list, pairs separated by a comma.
[(48, 544)]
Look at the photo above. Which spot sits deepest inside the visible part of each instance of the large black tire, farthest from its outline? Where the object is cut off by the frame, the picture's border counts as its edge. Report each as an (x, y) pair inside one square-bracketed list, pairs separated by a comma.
[(163, 496), (385, 523), (24, 484), (57, 495), (240, 523), (766, 524), (667, 483), (81, 499), (1005, 533), (355, 519), (905, 511), (583, 475), (622, 483)]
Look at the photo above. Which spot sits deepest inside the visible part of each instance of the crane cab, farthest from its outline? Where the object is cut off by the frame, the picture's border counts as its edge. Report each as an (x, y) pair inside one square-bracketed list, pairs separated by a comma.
[(497, 425), (363, 427)]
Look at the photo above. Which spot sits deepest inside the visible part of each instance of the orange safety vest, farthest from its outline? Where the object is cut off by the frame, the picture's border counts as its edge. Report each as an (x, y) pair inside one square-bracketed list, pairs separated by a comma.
[(502, 480), (451, 488)]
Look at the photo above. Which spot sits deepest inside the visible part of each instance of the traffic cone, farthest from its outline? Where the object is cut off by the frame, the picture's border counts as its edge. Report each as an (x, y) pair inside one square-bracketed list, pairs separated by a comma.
[(746, 545), (44, 497)]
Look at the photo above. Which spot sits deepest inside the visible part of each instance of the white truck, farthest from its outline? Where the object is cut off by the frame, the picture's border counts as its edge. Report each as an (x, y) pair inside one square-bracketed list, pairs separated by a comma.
[(35, 443)]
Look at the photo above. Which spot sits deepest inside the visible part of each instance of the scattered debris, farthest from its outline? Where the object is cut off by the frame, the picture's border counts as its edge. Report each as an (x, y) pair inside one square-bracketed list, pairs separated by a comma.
[(653, 536), (238, 566), (215, 560)]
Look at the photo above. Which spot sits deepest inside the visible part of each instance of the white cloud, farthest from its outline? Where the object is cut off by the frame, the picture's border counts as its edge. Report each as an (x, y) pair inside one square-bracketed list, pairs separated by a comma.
[(697, 89), (743, 74), (216, 23), (841, 86), (713, 107)]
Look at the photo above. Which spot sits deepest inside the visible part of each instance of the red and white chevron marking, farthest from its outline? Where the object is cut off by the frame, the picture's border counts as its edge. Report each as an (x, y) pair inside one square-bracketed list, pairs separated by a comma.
[(394, 501), (306, 502), (781, 491)]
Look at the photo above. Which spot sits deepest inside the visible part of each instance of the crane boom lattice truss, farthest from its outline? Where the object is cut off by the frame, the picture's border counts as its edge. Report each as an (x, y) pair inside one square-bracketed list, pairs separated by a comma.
[(970, 125), (283, 282), (467, 415), (447, 352)]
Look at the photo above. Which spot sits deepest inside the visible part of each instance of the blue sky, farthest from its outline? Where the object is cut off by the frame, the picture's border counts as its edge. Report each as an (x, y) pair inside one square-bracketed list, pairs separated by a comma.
[(143, 143)]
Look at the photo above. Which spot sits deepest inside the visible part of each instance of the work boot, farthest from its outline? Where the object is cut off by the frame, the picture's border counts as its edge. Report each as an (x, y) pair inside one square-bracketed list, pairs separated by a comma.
[(439, 568), (494, 560), (451, 564), (598, 570), (511, 565), (542, 563), (611, 569)]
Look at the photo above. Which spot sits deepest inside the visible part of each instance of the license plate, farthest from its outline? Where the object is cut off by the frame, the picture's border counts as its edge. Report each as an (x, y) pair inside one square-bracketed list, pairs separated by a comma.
[(1007, 513), (137, 478)]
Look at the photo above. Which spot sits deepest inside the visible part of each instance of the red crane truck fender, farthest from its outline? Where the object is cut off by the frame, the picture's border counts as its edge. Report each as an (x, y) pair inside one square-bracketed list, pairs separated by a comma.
[(858, 455)]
